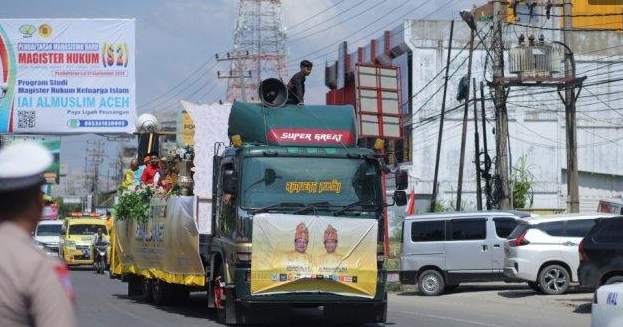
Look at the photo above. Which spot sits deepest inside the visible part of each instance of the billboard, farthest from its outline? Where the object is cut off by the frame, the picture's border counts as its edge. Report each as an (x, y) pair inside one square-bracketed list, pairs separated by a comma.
[(294, 253), (67, 76)]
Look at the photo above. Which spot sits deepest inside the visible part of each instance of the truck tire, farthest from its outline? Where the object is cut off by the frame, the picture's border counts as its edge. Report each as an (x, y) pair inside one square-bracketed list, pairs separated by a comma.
[(147, 289), (554, 280), (134, 285), (161, 292), (431, 283)]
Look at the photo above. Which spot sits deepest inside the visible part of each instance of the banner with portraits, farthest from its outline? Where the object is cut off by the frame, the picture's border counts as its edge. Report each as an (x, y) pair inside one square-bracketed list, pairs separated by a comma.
[(295, 253)]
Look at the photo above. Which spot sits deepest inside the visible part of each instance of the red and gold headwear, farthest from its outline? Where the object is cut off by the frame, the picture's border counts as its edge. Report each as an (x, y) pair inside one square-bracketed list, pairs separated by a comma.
[(330, 233), (301, 232)]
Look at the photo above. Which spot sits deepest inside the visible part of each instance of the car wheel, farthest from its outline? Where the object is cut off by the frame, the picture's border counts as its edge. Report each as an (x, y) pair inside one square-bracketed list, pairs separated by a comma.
[(614, 280), (554, 279), (431, 283), (535, 286)]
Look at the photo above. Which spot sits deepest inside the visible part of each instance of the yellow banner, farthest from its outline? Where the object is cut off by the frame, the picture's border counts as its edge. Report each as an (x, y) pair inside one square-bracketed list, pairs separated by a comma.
[(294, 253), (166, 247)]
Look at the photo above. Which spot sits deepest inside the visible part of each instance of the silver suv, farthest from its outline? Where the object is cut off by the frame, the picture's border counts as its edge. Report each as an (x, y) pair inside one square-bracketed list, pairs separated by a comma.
[(441, 250)]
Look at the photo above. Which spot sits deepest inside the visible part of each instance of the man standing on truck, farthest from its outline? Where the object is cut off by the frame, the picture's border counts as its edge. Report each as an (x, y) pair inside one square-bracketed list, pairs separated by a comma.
[(296, 86), (331, 259), (299, 259)]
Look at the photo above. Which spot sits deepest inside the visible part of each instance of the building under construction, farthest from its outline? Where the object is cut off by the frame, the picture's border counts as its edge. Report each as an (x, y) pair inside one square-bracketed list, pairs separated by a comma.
[(418, 49)]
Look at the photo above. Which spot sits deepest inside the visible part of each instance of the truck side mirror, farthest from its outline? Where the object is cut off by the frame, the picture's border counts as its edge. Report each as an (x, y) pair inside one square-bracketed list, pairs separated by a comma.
[(230, 182), (400, 198), (402, 180)]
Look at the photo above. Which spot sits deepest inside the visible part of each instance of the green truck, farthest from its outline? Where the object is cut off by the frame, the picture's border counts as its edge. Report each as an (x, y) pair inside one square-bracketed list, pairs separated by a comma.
[(297, 221), (291, 164)]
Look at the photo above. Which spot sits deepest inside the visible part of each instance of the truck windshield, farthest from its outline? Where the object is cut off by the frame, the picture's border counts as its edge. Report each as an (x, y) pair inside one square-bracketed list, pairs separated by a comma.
[(332, 181)]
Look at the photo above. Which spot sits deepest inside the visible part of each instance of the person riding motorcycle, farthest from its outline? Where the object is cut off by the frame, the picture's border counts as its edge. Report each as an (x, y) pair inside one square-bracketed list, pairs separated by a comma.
[(100, 237)]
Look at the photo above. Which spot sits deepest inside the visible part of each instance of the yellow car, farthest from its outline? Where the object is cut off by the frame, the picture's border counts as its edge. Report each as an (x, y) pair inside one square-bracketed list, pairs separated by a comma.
[(76, 240)]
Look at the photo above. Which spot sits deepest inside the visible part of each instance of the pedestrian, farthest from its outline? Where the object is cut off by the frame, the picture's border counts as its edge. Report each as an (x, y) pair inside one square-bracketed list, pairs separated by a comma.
[(129, 177), (35, 289), (296, 86), (109, 221)]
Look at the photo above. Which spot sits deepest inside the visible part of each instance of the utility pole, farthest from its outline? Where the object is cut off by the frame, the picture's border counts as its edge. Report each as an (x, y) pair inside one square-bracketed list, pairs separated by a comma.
[(443, 112), (501, 116), (477, 151), (573, 196), (237, 80), (486, 174), (459, 190)]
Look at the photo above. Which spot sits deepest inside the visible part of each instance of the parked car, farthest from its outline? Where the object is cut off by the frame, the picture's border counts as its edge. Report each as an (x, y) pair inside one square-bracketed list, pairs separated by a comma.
[(543, 251), (607, 309), (441, 250), (601, 254), (46, 235)]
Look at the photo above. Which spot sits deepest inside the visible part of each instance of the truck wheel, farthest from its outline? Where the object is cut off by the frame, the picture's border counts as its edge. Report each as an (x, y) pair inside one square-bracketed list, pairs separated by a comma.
[(134, 285), (147, 290), (431, 283), (554, 280), (161, 291)]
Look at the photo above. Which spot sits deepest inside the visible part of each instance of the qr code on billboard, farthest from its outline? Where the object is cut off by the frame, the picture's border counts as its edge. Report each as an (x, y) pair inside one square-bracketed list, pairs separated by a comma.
[(26, 119)]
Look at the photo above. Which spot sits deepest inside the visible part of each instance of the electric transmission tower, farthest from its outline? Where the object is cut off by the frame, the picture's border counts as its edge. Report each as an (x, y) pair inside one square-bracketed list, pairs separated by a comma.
[(259, 49)]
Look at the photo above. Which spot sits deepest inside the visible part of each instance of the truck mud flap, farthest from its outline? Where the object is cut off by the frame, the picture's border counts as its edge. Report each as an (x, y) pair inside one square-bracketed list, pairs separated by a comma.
[(263, 313)]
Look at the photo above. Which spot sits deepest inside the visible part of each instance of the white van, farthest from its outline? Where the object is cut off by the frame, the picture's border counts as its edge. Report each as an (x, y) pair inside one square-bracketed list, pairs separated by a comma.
[(441, 250)]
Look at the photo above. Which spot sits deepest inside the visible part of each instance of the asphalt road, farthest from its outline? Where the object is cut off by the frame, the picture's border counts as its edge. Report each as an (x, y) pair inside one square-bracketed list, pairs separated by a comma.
[(103, 302)]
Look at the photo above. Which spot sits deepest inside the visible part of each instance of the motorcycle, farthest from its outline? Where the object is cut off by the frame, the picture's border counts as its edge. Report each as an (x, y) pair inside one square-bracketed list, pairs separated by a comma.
[(99, 262)]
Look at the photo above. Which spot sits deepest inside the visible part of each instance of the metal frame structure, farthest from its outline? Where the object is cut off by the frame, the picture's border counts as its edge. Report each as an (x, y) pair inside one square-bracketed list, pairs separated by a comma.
[(260, 35), (380, 113)]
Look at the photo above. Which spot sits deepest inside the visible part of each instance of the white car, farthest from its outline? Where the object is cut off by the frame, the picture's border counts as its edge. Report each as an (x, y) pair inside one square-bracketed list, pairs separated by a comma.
[(608, 306), (46, 235), (543, 251)]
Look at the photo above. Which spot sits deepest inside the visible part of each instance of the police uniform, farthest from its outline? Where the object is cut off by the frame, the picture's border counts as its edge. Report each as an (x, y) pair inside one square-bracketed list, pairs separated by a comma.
[(34, 288)]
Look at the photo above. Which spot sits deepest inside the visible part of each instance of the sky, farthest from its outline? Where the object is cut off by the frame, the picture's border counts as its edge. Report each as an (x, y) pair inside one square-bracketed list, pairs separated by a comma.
[(176, 41)]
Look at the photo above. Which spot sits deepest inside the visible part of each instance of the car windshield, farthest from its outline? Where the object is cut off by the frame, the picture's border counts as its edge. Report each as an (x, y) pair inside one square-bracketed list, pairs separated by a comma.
[(49, 230), (335, 182), (86, 229)]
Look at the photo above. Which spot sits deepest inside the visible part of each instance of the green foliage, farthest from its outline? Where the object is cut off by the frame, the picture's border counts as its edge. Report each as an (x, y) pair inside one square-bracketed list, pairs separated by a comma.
[(523, 196), (134, 205)]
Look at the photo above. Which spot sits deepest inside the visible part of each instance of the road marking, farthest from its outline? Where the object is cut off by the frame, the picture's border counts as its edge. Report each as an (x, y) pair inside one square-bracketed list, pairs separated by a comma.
[(448, 318)]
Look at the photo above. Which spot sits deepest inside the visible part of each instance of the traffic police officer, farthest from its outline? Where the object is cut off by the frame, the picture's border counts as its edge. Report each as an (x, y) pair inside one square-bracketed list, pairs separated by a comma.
[(34, 289)]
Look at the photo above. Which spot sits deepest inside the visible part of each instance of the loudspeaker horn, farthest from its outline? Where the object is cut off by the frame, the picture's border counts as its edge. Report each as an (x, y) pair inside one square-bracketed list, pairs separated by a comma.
[(273, 92)]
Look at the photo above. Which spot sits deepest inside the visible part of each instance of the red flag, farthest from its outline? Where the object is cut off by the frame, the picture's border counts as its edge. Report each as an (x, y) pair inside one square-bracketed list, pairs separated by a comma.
[(410, 210)]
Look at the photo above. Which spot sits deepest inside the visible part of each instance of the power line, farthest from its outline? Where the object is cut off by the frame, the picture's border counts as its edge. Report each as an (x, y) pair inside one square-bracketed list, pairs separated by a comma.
[(332, 17), (316, 15), (374, 6), (180, 83), (566, 29)]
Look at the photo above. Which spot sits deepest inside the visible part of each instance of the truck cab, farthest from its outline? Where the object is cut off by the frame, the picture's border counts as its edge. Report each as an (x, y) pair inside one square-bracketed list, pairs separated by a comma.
[(285, 165)]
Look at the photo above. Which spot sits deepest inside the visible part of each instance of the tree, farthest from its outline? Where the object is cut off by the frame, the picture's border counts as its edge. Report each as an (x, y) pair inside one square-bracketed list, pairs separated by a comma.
[(523, 195)]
